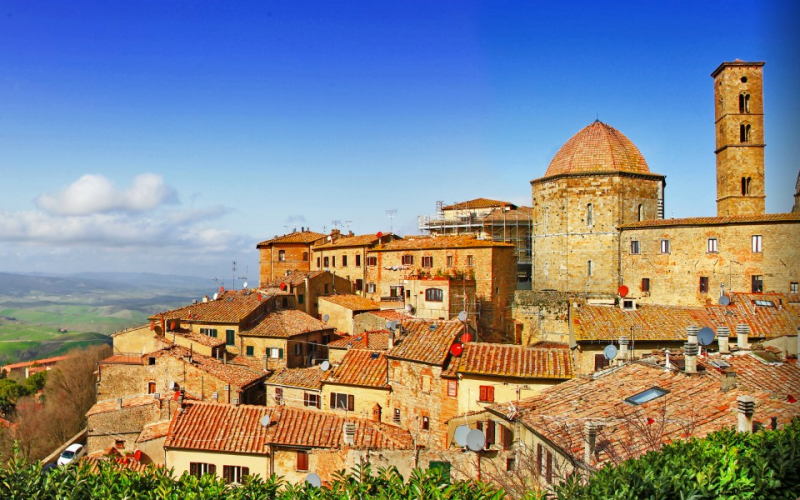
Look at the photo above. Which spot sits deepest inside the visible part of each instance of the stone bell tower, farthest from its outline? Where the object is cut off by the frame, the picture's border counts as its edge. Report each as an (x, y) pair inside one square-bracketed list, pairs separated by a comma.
[(739, 123)]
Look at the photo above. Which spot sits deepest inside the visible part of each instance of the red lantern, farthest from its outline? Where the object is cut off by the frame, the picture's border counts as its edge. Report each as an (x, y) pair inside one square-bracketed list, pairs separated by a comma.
[(466, 337), (456, 349)]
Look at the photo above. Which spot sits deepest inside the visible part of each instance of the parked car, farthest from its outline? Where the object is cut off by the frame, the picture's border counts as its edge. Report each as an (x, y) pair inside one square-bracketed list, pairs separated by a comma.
[(73, 452)]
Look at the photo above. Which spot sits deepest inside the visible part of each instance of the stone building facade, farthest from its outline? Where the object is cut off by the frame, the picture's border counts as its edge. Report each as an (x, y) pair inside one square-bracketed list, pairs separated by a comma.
[(290, 252), (346, 255)]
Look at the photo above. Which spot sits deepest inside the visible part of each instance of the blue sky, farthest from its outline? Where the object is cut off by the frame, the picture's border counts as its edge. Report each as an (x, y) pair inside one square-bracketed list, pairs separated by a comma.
[(171, 136)]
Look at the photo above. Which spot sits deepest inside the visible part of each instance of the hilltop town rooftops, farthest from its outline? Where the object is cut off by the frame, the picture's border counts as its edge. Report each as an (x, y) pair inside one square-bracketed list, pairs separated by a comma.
[(355, 241), (426, 342), (506, 360), (439, 242), (361, 367), (285, 323), (689, 406), (152, 431), (234, 374), (304, 378), (35, 362), (307, 237), (378, 340), (714, 221), (231, 307), (294, 278), (478, 203), (238, 429), (353, 302)]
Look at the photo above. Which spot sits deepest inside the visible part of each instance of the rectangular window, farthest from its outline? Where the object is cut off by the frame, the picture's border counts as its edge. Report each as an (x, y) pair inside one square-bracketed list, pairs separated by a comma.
[(344, 260), (278, 395), (600, 362), (426, 423), (275, 353), (426, 383), (793, 287), (396, 417), (230, 337), (486, 393), (635, 247), (326, 262), (646, 284), (234, 473), (490, 428), (703, 284), (470, 261), (664, 246), (209, 332), (511, 464), (408, 260), (197, 469), (298, 349), (341, 401), (449, 261), (359, 285), (548, 474), (757, 248), (757, 283), (317, 262), (452, 388), (151, 388), (427, 261), (539, 459), (372, 261), (250, 350), (302, 460), (371, 288), (300, 298), (358, 260), (310, 399), (434, 295), (712, 245), (333, 261)]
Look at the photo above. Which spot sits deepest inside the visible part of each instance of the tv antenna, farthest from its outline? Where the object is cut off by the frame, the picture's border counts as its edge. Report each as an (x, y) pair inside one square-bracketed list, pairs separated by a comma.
[(246, 272), (336, 223), (347, 224), (233, 275), (390, 214)]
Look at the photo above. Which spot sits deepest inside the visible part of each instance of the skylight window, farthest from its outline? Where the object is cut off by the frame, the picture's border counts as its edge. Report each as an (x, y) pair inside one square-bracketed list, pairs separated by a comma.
[(645, 396), (764, 303)]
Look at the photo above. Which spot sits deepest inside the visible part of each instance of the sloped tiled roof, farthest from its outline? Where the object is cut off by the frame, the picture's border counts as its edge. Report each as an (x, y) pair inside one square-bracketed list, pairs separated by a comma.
[(422, 344), (231, 307), (505, 216), (390, 315), (317, 429), (506, 360), (295, 237), (110, 405), (154, 431), (597, 148), (694, 406), (714, 221), (284, 324), (36, 362), (352, 302), (437, 242), (378, 341), (293, 278), (361, 367), (363, 240), (234, 374), (477, 203), (306, 378), (219, 427), (765, 322)]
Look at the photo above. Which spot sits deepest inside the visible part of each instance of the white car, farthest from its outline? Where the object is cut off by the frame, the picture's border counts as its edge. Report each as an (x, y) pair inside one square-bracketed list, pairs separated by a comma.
[(73, 452)]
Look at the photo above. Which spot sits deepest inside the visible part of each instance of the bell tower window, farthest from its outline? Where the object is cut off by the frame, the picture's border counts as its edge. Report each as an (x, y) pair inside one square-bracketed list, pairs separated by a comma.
[(744, 103), (745, 186), (589, 214), (744, 132)]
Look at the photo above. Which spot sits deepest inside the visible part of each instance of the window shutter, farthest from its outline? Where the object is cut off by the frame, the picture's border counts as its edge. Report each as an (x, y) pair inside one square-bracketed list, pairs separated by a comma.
[(302, 460), (245, 471), (480, 425), (305, 399), (212, 469), (226, 473), (333, 401), (482, 393), (193, 468), (351, 402), (490, 393), (319, 401), (490, 432), (539, 453), (280, 353)]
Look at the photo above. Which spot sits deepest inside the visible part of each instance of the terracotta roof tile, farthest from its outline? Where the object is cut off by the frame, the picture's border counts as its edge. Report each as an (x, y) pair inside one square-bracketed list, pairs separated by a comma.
[(110, 405), (694, 406), (295, 237), (390, 315), (505, 360), (219, 427), (437, 242), (422, 344), (230, 307), (501, 216), (235, 374), (765, 322), (352, 302), (293, 278), (361, 367), (378, 341), (650, 322), (363, 240), (714, 221), (549, 344), (597, 148), (306, 378), (477, 203), (154, 431), (121, 359), (285, 323), (316, 429), (36, 362)]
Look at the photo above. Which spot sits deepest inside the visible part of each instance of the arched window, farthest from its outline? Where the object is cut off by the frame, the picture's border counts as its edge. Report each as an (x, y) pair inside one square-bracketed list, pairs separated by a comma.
[(281, 255), (640, 213), (744, 132), (745, 186), (744, 103), (434, 295), (589, 214)]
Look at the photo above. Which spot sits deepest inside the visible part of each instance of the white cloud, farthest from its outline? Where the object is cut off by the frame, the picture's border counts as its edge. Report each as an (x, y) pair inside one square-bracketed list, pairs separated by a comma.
[(95, 194)]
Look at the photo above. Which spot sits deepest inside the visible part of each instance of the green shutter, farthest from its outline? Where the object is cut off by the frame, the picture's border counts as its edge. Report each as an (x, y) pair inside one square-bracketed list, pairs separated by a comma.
[(280, 353), (249, 350), (214, 333)]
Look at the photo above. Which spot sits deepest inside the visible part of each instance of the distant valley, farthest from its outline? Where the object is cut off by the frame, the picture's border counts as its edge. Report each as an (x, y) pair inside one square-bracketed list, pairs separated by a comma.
[(47, 315)]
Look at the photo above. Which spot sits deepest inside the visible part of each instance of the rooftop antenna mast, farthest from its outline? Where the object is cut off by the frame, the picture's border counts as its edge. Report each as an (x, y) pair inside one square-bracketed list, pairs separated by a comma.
[(233, 275), (336, 224), (246, 272), (391, 213), (347, 224)]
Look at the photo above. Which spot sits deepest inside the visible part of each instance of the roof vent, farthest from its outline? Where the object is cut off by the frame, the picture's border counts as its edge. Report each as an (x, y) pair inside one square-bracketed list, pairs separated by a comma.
[(349, 433)]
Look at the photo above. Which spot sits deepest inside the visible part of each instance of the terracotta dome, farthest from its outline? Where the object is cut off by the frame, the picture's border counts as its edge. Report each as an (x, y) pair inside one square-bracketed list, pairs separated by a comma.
[(598, 148)]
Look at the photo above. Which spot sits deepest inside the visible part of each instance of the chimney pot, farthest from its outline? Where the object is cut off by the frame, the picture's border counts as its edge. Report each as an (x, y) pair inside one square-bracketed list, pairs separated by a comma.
[(746, 406), (690, 357), (723, 337), (742, 333), (624, 342), (728, 380), (691, 333), (590, 435)]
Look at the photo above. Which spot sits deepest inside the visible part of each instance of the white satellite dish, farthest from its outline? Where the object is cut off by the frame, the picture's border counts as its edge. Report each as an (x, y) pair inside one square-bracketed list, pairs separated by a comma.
[(325, 318), (462, 316), (216, 296), (325, 366), (461, 434), (314, 480), (409, 307), (244, 286), (173, 385), (610, 352), (475, 440), (265, 421)]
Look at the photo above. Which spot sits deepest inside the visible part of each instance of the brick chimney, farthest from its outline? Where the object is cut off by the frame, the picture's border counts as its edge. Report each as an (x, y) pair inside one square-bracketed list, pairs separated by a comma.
[(376, 412), (624, 342), (742, 332), (723, 336), (728, 380), (391, 339), (691, 333), (690, 357), (590, 441), (746, 406)]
